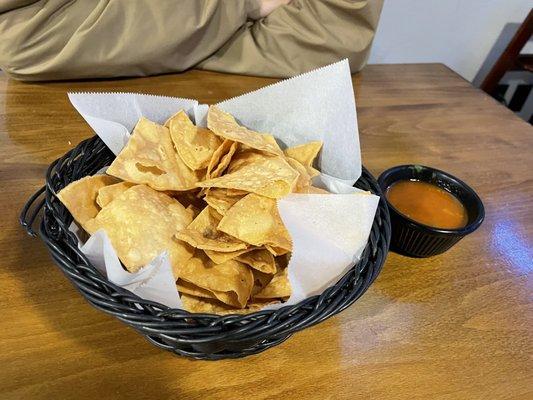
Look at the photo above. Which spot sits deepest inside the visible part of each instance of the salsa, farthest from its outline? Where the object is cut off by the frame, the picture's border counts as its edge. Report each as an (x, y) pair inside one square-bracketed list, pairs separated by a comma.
[(427, 204)]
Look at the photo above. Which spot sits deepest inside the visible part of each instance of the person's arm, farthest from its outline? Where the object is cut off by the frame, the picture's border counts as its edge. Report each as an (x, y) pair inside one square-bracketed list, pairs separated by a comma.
[(67, 39), (301, 36)]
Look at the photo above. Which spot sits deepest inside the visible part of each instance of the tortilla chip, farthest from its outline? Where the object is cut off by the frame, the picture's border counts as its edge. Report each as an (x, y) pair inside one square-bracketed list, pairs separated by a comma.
[(200, 305), (207, 306), (255, 220), (202, 233), (220, 200), (304, 179), (219, 257), (247, 157), (312, 171), (194, 145), (232, 278), (224, 162), (269, 138), (312, 190), (272, 140), (277, 251), (260, 259), (141, 223), (268, 176), (222, 150), (149, 158), (106, 194), (169, 119), (278, 288), (306, 153), (80, 196), (224, 125), (261, 280), (236, 192), (192, 210), (229, 298), (193, 290)]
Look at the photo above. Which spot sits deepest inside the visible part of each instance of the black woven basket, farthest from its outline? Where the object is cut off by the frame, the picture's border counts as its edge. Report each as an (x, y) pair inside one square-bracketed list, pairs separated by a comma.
[(201, 336)]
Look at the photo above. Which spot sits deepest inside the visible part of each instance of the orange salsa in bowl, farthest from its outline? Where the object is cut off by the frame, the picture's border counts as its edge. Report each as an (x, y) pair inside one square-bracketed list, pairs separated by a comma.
[(428, 204), (430, 210)]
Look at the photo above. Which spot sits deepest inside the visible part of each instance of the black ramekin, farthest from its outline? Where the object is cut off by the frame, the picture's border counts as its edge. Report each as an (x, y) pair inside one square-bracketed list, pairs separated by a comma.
[(414, 239)]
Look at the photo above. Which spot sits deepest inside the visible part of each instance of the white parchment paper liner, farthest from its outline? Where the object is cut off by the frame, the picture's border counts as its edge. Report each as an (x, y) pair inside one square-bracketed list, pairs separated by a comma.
[(329, 232)]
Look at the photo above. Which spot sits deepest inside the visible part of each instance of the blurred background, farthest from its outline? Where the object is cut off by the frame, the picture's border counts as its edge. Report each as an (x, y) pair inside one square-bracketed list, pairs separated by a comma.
[(469, 36)]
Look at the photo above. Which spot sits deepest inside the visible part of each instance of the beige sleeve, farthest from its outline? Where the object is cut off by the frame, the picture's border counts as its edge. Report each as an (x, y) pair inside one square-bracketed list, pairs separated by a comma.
[(301, 36), (68, 39)]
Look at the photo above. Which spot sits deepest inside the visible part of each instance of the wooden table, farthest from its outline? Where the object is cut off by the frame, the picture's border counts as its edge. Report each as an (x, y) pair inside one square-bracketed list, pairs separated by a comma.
[(457, 326)]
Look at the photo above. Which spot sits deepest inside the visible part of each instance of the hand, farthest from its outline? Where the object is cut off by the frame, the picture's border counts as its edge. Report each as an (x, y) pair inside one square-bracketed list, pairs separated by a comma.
[(267, 6)]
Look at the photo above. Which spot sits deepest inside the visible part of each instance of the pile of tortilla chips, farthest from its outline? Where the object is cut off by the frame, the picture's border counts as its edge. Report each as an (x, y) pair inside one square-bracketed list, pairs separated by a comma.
[(208, 198)]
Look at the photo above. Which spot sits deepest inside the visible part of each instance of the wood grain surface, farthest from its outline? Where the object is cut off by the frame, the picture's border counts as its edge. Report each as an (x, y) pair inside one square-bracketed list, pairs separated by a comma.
[(456, 326)]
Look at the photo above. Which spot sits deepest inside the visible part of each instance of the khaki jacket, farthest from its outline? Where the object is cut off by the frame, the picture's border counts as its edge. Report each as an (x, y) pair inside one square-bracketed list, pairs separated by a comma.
[(72, 39)]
